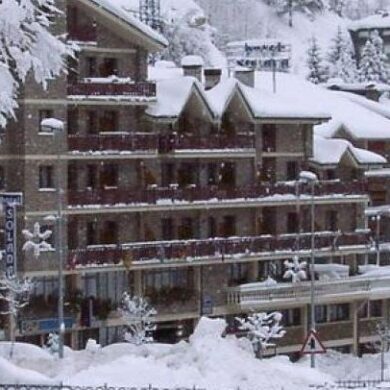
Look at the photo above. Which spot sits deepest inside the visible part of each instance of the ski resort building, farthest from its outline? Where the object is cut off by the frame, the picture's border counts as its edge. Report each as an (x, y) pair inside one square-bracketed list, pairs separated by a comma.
[(188, 197)]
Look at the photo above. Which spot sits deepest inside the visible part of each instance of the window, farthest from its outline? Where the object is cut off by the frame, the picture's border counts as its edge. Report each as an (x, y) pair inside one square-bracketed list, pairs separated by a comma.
[(158, 280), (46, 179), (331, 220), (73, 119), (186, 229), (108, 122), (51, 239), (269, 138), (109, 176), (109, 67), (92, 233), (186, 174), (268, 171), (72, 177), (291, 317), (330, 174), (44, 114), (73, 241), (92, 127), (339, 312), (267, 225), (228, 226), (91, 176), (110, 232), (91, 67), (212, 227), (167, 227), (228, 174), (375, 308), (212, 174), (321, 314), (292, 170), (2, 178), (238, 273), (292, 223), (168, 174)]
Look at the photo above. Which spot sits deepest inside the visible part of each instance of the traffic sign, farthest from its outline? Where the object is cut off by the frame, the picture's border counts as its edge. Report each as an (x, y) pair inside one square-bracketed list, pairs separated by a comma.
[(312, 344)]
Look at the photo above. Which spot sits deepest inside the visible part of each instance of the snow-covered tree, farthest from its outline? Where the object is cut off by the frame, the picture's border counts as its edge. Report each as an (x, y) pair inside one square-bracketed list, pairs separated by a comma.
[(37, 241), (261, 328), (317, 71), (16, 294), (139, 319), (341, 60), (295, 270), (27, 47), (337, 6), (373, 62), (53, 343)]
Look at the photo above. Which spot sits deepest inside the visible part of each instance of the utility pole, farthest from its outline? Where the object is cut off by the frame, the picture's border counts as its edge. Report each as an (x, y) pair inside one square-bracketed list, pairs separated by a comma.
[(384, 334)]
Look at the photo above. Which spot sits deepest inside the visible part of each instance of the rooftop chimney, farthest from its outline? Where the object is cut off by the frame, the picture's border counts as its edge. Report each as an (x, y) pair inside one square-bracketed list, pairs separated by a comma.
[(245, 76), (212, 76), (193, 66)]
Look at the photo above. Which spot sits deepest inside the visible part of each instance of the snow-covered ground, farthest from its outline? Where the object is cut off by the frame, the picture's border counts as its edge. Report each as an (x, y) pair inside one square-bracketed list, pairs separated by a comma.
[(207, 361)]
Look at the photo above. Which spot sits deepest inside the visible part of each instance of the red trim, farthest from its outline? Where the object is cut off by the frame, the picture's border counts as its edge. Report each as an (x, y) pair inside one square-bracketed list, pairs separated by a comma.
[(315, 335)]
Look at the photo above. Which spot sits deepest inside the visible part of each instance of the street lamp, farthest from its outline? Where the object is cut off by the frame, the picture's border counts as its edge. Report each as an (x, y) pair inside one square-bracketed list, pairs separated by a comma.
[(55, 126), (312, 179)]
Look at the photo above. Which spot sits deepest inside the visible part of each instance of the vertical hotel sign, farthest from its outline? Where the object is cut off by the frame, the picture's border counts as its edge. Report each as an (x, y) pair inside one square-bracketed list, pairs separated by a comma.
[(10, 201)]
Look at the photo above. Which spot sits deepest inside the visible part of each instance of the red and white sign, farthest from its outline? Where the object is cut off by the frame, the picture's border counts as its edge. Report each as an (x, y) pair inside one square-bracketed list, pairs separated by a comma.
[(312, 344)]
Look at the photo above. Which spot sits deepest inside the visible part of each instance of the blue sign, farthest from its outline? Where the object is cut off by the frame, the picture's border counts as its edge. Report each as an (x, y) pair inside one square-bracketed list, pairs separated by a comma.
[(51, 324), (10, 240), (11, 198), (207, 305)]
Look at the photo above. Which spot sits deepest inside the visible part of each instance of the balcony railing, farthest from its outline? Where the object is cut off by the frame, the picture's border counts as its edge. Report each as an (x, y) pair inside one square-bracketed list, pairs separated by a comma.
[(218, 248), (109, 142), (300, 292), (173, 142), (211, 193), (136, 89)]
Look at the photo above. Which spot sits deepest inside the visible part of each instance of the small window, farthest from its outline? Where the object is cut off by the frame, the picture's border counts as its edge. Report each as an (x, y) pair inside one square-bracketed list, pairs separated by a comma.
[(331, 220), (321, 313), (46, 179), (212, 227), (73, 119), (110, 174), (108, 121), (109, 67), (291, 317), (229, 226), (92, 126), (339, 312), (186, 229), (292, 170), (91, 67), (91, 176), (212, 174), (375, 308), (167, 228), (72, 177), (92, 233), (110, 232), (292, 223), (44, 114), (269, 138)]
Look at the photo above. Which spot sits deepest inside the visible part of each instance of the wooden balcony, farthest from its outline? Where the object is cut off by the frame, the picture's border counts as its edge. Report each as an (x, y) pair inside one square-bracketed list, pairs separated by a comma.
[(177, 142), (252, 295), (218, 249), (93, 89), (133, 195), (113, 142)]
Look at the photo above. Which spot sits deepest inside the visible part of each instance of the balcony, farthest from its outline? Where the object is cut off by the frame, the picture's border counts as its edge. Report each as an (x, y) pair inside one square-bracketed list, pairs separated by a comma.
[(158, 195), (218, 249), (253, 295), (112, 142), (177, 142), (99, 89)]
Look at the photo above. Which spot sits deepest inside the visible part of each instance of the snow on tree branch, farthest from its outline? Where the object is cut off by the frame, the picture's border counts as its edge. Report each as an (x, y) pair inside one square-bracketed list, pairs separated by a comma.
[(27, 46), (16, 293), (261, 328), (139, 318)]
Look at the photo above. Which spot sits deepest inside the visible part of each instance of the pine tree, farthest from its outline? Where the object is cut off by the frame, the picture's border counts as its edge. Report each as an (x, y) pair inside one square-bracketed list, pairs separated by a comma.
[(317, 71), (373, 62), (342, 63)]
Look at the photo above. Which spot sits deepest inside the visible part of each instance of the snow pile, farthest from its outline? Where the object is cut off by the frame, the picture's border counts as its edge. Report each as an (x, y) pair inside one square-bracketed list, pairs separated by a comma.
[(207, 361)]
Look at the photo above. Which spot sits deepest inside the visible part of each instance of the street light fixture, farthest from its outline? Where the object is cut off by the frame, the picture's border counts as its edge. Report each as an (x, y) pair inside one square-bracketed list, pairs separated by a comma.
[(56, 127), (312, 179)]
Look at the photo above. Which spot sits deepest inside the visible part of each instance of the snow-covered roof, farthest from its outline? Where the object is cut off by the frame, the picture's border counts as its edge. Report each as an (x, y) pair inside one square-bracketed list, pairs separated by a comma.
[(110, 7), (331, 151), (192, 60), (358, 120), (380, 21), (173, 95), (262, 104)]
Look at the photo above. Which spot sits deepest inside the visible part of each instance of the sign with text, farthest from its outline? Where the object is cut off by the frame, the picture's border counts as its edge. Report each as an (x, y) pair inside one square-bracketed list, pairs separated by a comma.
[(10, 201)]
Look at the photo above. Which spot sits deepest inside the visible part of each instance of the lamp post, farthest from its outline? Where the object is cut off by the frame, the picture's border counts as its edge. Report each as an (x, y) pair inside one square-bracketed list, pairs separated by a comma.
[(311, 178), (55, 126)]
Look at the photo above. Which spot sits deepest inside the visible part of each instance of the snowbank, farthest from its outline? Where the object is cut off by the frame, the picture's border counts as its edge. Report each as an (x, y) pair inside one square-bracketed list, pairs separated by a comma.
[(207, 360)]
